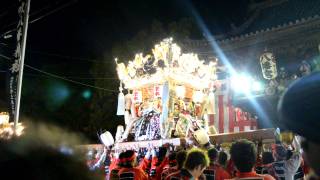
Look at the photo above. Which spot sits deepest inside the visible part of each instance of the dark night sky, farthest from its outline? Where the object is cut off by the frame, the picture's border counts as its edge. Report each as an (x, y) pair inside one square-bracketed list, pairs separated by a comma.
[(88, 29), (85, 30)]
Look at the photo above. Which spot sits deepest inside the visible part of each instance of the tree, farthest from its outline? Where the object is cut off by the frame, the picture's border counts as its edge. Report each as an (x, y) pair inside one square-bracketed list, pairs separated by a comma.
[(183, 29), (104, 102), (145, 39)]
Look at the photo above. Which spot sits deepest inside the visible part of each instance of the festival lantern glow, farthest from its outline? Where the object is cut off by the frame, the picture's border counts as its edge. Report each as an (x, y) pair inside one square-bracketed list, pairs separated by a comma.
[(198, 96), (4, 118), (6, 128), (166, 63), (20, 129), (180, 91)]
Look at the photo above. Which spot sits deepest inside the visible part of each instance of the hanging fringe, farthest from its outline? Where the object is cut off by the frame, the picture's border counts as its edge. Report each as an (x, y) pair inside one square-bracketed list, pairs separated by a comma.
[(120, 131), (120, 109), (121, 102), (127, 118)]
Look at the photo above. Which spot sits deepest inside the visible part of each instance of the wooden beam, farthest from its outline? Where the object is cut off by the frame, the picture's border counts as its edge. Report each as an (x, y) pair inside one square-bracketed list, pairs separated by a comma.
[(266, 135), (255, 135), (146, 144)]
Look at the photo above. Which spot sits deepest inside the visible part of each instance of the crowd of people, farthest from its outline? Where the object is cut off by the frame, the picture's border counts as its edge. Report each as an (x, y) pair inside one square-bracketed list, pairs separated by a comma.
[(244, 160), (298, 112), (48, 156)]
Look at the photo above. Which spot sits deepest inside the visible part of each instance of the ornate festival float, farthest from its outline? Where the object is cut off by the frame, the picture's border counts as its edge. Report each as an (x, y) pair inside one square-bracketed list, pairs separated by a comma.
[(173, 97)]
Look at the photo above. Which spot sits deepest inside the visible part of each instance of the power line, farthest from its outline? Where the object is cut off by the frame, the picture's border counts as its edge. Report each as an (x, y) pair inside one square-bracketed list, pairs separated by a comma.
[(5, 57), (54, 10), (69, 77), (74, 77), (60, 77), (39, 18), (91, 78), (69, 57), (97, 78), (76, 82), (61, 56)]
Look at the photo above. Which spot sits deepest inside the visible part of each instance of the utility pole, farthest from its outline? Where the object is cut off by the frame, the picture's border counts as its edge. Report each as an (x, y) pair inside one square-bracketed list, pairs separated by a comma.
[(20, 53)]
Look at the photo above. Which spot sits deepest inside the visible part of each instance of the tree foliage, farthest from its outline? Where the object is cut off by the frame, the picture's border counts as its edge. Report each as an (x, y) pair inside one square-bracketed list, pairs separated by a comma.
[(145, 39), (49, 100)]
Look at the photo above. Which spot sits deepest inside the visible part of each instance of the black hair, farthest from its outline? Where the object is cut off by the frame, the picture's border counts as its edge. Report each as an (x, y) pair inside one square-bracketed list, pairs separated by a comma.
[(222, 158), (161, 154), (267, 157), (126, 154), (281, 152), (244, 155), (181, 157), (212, 153), (196, 158), (172, 157)]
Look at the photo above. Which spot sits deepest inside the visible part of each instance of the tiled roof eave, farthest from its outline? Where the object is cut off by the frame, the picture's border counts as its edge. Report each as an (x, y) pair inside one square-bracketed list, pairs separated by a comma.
[(309, 27), (271, 29)]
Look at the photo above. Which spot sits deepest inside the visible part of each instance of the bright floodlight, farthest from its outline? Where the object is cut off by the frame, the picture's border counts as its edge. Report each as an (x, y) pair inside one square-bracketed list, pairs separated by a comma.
[(241, 83), (256, 86), (180, 91)]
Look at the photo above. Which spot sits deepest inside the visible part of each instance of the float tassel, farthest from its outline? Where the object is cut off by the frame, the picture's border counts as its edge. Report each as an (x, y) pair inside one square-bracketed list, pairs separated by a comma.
[(121, 102)]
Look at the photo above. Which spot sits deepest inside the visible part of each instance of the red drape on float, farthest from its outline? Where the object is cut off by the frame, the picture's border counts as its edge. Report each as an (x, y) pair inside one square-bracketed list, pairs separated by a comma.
[(228, 118)]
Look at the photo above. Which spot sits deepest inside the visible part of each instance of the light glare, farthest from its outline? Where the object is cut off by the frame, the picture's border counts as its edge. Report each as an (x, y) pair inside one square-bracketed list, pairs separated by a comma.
[(180, 91), (241, 83), (257, 86)]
